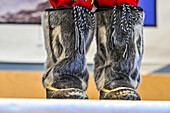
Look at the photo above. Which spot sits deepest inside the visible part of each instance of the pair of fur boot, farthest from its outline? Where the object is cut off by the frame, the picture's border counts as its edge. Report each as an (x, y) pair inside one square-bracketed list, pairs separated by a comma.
[(119, 36)]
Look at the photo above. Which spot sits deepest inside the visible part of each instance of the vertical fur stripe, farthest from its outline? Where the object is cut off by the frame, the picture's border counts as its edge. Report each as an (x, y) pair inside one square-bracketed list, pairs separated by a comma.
[(51, 40)]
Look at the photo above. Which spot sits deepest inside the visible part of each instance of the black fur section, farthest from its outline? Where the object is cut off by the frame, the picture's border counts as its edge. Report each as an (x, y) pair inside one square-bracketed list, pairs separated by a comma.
[(60, 47)]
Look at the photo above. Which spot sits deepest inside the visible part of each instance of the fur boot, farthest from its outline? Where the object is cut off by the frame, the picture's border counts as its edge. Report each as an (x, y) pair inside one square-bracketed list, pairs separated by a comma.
[(119, 52), (67, 31)]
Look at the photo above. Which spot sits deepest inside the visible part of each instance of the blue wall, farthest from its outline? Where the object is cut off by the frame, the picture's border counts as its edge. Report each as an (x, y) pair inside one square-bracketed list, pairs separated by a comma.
[(149, 7)]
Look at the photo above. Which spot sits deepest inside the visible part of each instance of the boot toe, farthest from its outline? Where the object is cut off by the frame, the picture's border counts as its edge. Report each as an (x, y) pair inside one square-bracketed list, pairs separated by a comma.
[(66, 94), (120, 94)]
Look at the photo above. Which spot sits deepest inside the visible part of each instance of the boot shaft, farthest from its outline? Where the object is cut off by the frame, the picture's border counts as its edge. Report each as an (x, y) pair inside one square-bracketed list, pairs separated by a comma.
[(119, 47), (67, 32)]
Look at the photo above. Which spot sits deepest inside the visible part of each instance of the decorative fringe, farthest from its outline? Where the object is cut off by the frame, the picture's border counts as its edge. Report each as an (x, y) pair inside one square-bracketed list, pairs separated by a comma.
[(125, 25), (80, 19)]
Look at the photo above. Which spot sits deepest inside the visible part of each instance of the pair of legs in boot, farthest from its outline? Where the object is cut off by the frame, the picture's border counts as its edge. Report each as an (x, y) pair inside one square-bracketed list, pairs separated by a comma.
[(119, 36)]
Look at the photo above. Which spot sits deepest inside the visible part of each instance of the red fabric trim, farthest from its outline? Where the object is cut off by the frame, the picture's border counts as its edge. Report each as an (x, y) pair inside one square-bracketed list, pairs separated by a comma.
[(82, 3), (98, 3), (112, 3), (69, 3)]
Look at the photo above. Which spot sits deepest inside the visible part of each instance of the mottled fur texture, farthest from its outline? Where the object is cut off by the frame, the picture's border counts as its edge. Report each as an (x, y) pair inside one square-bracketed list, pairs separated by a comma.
[(112, 70), (66, 62)]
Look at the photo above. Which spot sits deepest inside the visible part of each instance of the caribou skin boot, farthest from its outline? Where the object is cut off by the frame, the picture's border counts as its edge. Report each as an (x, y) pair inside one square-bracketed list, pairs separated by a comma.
[(66, 32), (119, 35)]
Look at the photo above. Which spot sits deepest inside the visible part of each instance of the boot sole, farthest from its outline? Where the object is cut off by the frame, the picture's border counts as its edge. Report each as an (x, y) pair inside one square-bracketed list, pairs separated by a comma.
[(120, 94), (66, 94)]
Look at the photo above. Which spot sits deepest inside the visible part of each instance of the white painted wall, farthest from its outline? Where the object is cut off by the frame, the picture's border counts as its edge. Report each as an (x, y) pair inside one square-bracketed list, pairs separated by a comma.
[(21, 43), (24, 43)]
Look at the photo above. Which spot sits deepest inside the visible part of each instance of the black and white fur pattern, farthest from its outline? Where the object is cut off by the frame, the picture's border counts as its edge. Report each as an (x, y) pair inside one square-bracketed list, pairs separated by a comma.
[(66, 48), (119, 47)]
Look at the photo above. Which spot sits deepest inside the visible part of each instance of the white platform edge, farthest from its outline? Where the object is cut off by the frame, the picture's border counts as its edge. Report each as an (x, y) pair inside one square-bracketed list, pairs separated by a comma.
[(81, 106)]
